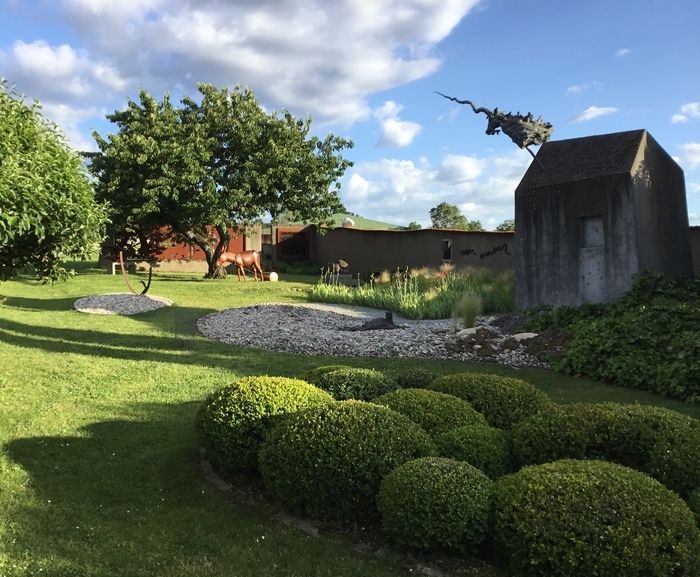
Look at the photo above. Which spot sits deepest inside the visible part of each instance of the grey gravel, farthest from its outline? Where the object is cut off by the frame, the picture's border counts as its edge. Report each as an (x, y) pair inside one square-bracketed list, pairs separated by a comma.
[(120, 304), (321, 329)]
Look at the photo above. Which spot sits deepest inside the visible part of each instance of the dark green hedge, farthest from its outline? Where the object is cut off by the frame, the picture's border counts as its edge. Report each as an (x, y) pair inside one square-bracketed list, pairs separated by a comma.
[(327, 462), (434, 503), (233, 420), (592, 518), (355, 383), (479, 444)]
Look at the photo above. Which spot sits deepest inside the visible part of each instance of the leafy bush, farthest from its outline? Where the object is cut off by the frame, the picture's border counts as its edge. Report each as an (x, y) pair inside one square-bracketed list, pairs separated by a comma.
[(234, 420), (647, 340), (503, 400), (694, 504), (435, 412), (328, 461), (436, 503), (312, 375), (480, 445), (355, 383), (412, 377), (468, 308), (657, 441), (573, 518)]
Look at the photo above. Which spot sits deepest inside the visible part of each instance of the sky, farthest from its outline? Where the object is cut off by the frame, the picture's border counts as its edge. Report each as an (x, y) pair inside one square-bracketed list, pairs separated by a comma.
[(368, 70)]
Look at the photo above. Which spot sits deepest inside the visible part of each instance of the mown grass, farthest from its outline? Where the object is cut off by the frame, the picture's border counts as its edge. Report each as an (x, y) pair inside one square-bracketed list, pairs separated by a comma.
[(99, 472)]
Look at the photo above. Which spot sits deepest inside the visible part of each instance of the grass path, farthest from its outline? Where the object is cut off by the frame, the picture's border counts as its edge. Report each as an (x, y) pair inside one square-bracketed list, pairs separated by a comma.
[(99, 471)]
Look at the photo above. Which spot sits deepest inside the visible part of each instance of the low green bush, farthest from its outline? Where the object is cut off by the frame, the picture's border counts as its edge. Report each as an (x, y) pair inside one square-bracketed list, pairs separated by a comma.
[(480, 445), (413, 377), (574, 518), (503, 400), (355, 383), (233, 420), (648, 340), (312, 375), (658, 441), (435, 412), (327, 462), (694, 504), (434, 503)]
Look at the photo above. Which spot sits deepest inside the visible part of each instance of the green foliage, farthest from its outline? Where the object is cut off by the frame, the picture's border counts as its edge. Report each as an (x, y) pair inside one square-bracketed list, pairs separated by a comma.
[(435, 412), (312, 375), (657, 441), (468, 308), (234, 420), (480, 445), (354, 383), (412, 377), (216, 164), (694, 504), (448, 216), (504, 401), (433, 503), (507, 225), (417, 295), (573, 518), (48, 212), (646, 340), (327, 462), (413, 225)]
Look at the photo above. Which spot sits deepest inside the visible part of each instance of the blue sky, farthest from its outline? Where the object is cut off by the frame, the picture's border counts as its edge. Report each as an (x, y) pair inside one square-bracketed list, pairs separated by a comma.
[(368, 69)]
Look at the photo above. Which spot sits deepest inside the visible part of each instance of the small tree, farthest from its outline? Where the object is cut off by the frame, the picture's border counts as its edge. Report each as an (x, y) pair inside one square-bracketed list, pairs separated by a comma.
[(48, 211), (413, 225), (507, 225), (446, 215)]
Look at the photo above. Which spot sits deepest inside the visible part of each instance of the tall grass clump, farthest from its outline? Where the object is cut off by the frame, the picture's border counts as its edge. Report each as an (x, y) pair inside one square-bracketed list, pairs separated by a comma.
[(420, 294), (468, 308)]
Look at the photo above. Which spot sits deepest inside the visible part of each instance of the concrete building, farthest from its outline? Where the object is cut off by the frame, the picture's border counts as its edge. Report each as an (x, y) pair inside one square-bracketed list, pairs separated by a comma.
[(598, 211)]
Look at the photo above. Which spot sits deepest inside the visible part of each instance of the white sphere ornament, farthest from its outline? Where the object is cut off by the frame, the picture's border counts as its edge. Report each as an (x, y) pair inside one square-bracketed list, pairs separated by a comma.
[(273, 277)]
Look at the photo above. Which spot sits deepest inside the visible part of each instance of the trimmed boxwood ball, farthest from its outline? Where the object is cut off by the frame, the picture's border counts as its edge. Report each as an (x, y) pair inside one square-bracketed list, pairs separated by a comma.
[(503, 400), (413, 377), (479, 444), (571, 518), (355, 383), (433, 503), (312, 375), (435, 412), (327, 462), (233, 420), (657, 441)]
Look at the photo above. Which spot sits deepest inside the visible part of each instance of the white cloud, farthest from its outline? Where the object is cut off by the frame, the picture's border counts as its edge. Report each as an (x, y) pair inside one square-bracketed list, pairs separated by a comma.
[(579, 88), (68, 119), (690, 110), (400, 191), (593, 112), (691, 154), (694, 187), (622, 52), (323, 58), (394, 131)]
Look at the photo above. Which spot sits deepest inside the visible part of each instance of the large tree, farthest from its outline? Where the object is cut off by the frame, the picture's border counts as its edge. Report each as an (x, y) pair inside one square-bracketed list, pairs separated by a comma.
[(507, 225), (216, 164), (48, 211), (448, 216)]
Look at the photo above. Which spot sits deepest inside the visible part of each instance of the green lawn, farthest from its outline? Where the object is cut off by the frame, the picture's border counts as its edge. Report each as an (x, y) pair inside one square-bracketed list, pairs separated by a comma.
[(99, 472)]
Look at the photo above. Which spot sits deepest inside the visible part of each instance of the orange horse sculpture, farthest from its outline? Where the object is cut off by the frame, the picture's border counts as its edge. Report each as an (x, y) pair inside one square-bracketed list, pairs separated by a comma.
[(249, 258)]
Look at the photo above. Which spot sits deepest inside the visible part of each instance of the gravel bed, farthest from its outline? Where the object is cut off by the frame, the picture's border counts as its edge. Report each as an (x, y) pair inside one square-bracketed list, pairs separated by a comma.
[(321, 329), (120, 304)]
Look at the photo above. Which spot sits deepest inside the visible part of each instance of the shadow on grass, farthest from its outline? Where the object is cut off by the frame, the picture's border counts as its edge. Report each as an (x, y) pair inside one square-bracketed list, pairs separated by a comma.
[(29, 304), (127, 498)]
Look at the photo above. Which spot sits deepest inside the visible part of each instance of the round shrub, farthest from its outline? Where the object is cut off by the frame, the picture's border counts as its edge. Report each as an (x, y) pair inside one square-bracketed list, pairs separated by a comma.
[(657, 441), (694, 503), (355, 383), (503, 400), (480, 445), (312, 375), (413, 377), (327, 462), (233, 420), (435, 412), (433, 503), (571, 518)]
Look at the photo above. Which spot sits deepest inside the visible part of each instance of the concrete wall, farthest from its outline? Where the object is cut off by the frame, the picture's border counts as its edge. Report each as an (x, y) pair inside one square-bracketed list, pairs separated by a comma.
[(695, 249), (375, 250)]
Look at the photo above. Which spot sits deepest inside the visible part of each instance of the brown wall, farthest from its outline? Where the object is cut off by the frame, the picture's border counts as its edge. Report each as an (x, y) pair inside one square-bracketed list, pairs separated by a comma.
[(376, 250)]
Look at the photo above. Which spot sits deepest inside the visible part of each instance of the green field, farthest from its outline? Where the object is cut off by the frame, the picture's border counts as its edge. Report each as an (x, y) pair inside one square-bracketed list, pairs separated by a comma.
[(99, 459)]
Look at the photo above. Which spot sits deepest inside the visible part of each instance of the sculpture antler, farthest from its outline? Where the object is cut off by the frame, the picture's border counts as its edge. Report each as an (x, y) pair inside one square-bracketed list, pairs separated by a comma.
[(486, 111)]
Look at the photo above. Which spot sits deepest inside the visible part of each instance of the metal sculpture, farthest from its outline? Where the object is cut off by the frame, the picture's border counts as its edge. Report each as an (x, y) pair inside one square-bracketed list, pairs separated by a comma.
[(523, 130), (247, 258), (125, 275)]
